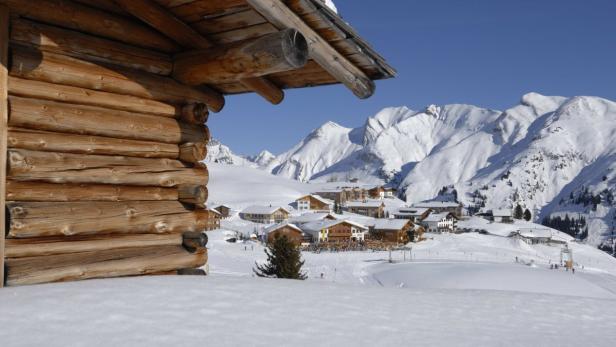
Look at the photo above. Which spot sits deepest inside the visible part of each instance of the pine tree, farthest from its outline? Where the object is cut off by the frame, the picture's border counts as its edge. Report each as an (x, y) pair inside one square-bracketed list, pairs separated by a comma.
[(518, 213), (283, 261), (527, 215)]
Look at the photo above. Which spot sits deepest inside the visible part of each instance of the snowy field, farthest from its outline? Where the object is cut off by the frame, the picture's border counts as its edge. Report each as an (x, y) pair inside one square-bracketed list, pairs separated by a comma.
[(234, 311)]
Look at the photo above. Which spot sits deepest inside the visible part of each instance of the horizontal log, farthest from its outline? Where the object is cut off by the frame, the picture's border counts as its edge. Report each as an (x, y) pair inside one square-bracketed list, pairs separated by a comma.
[(39, 219), (193, 152), (25, 165), (101, 264), (195, 113), (194, 241), (90, 20), (40, 246), (266, 88), (91, 120), (85, 144), (88, 47), (61, 69), (42, 191), (193, 194), (280, 51), (76, 95)]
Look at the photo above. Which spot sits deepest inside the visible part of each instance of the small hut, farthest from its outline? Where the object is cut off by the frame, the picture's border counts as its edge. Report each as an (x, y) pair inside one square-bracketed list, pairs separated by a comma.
[(103, 108)]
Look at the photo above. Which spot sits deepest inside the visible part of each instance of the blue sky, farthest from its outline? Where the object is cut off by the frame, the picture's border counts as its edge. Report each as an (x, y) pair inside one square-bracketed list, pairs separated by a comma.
[(482, 52)]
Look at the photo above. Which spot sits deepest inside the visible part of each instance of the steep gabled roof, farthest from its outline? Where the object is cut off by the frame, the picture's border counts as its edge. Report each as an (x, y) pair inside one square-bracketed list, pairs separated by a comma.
[(256, 209)]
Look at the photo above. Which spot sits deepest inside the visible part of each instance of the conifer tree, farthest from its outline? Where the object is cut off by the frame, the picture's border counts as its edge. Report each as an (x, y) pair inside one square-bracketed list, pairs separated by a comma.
[(518, 213), (527, 215), (283, 261)]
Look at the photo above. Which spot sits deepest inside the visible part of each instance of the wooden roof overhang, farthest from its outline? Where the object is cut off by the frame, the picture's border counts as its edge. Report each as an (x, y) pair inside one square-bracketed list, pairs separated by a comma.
[(337, 54)]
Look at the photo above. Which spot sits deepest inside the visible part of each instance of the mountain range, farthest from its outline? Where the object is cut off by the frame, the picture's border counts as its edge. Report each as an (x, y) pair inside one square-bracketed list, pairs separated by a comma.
[(555, 156)]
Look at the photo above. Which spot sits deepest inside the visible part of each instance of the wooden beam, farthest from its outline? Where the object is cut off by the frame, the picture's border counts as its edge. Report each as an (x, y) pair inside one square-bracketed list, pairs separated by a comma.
[(53, 192), (4, 118), (193, 194), (60, 69), (102, 264), (41, 246), (91, 120), (171, 26), (88, 47), (285, 50), (40, 219), (76, 95), (320, 50), (51, 167)]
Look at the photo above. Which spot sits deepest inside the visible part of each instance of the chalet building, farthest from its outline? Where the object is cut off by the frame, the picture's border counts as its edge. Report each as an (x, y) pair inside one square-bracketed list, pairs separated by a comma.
[(335, 231), (312, 202), (291, 231), (501, 216), (539, 236), (108, 104), (440, 222), (369, 208), (392, 230), (213, 220), (224, 210), (413, 214), (442, 206), (381, 192), (344, 194), (265, 214)]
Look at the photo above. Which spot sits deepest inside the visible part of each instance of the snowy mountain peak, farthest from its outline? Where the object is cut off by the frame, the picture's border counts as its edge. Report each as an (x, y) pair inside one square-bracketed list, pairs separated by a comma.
[(433, 110), (264, 158)]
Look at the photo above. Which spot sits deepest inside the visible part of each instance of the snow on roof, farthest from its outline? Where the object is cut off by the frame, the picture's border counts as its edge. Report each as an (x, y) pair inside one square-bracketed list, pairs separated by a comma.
[(223, 205), (311, 217), (214, 211), (319, 198), (367, 203), (436, 217), (411, 211), (326, 224), (256, 209), (281, 225), (390, 224), (501, 213), (436, 204)]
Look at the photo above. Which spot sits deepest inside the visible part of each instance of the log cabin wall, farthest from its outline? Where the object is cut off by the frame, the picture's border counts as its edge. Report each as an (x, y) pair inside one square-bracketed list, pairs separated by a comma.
[(102, 147)]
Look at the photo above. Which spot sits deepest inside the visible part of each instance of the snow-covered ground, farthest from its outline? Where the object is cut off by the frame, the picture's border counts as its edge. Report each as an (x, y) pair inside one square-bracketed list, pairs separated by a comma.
[(232, 311)]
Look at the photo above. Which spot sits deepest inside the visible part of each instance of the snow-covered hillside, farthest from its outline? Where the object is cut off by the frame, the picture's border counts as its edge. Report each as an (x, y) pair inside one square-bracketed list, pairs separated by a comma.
[(536, 154)]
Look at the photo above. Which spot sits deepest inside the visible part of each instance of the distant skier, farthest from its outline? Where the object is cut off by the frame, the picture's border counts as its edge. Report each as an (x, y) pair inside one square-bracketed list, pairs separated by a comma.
[(573, 270)]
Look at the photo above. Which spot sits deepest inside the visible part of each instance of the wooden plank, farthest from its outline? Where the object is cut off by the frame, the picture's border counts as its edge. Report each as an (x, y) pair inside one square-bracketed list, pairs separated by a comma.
[(88, 47), (102, 264), (88, 19), (76, 95), (53, 192), (40, 219), (4, 116), (65, 70), (229, 22), (41, 246), (83, 144), (321, 51), (91, 120), (241, 34), (25, 165), (197, 10)]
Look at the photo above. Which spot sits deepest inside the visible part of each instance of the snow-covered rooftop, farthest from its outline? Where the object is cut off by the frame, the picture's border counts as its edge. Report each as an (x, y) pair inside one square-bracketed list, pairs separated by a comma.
[(256, 209), (436, 204), (436, 217), (281, 225), (390, 224), (311, 217), (367, 203), (501, 213), (319, 198), (325, 224)]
